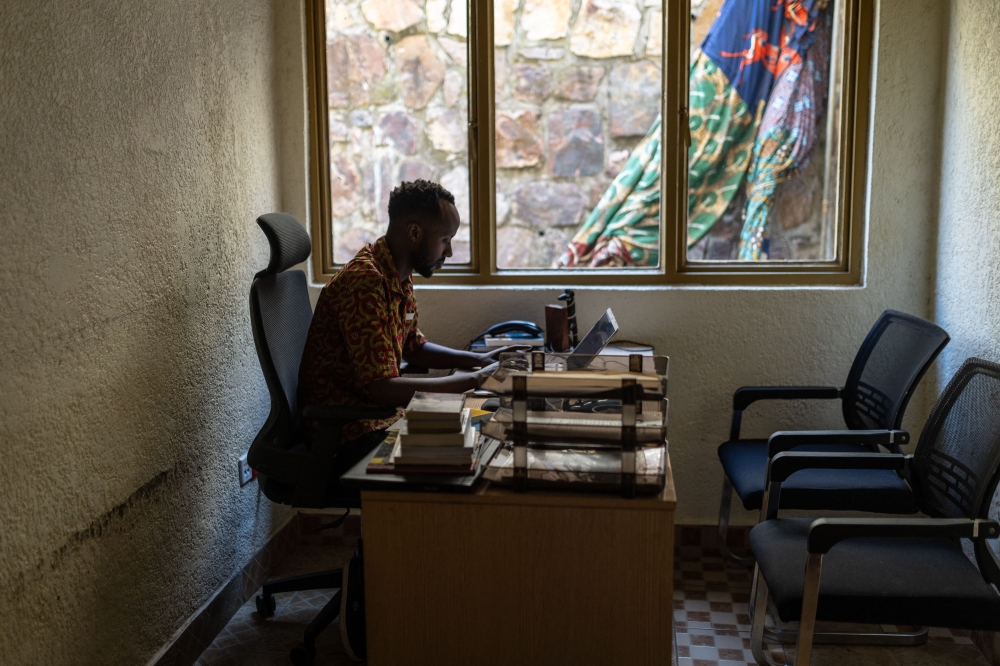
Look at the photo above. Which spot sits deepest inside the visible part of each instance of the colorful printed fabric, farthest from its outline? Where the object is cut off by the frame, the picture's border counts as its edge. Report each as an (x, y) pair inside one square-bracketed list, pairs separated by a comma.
[(624, 227), (786, 139), (365, 321), (750, 42), (722, 136), (750, 46)]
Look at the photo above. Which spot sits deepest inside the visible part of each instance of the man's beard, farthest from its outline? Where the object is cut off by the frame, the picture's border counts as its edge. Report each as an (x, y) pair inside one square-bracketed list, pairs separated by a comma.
[(423, 264)]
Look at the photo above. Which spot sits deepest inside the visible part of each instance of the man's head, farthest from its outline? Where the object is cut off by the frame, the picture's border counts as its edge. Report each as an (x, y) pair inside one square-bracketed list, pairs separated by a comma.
[(423, 218)]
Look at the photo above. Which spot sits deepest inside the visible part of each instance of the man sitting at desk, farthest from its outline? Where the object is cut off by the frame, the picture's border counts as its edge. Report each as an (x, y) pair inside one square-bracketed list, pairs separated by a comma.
[(366, 320)]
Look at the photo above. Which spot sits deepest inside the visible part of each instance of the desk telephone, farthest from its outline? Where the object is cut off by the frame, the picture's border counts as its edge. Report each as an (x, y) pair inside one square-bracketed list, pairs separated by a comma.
[(514, 328)]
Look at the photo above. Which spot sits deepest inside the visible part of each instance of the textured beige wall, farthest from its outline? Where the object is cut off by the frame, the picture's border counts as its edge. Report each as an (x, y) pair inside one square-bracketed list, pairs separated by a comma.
[(138, 142), (967, 299), (719, 339)]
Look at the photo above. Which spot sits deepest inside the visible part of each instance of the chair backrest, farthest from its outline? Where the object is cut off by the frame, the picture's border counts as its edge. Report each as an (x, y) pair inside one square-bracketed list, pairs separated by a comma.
[(957, 460), (956, 465), (887, 369), (280, 315)]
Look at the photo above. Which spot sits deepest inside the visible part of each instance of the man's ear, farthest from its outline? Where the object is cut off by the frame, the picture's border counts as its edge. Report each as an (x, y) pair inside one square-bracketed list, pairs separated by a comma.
[(414, 232)]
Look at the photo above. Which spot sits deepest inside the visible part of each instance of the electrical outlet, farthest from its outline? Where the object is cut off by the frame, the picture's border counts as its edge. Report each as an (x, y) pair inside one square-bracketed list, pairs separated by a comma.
[(246, 474)]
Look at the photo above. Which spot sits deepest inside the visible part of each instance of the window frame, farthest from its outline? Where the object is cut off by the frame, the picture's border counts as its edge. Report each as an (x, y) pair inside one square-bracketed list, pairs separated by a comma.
[(675, 269)]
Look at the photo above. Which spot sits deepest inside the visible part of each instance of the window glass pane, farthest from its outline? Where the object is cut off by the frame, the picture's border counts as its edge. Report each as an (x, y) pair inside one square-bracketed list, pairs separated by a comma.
[(397, 73), (764, 125), (578, 90)]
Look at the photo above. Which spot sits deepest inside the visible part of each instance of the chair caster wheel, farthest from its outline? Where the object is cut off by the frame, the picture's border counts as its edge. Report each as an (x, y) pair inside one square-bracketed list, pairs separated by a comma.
[(303, 655), (266, 605)]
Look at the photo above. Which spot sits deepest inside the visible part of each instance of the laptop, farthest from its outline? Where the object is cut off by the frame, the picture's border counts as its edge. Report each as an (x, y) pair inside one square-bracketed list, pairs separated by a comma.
[(594, 342)]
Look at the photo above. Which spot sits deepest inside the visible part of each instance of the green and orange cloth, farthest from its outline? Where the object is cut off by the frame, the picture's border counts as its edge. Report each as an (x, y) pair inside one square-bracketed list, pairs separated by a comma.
[(757, 92)]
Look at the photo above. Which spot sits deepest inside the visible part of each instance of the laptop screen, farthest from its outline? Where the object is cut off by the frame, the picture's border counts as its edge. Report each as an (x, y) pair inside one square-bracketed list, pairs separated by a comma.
[(592, 344)]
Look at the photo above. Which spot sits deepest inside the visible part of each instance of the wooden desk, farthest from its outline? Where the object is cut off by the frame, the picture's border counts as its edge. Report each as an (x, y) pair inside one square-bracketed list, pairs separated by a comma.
[(498, 577)]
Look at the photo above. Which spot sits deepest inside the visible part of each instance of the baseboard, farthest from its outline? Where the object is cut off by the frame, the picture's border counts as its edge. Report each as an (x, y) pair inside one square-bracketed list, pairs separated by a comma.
[(706, 537), (204, 625)]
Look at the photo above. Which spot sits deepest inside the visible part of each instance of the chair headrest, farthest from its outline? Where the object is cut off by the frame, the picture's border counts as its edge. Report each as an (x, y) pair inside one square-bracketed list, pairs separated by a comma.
[(289, 241)]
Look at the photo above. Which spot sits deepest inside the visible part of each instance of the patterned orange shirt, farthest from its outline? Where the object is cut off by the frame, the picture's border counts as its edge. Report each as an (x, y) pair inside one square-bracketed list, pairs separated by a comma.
[(365, 321)]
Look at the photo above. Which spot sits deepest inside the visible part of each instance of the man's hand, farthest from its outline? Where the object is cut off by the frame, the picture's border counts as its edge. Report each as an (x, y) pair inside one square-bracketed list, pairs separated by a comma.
[(430, 355), (494, 355), (484, 373)]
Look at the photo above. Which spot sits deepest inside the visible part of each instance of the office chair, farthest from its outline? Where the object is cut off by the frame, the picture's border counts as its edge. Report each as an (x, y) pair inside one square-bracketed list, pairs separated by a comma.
[(902, 571), (291, 469), (892, 359)]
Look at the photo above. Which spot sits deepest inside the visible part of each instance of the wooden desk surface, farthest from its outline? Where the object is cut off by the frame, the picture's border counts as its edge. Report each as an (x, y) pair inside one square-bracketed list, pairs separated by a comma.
[(499, 577)]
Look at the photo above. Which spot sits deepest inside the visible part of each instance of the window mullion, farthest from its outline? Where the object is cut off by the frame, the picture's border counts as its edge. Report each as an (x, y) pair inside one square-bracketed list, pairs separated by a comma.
[(482, 186), (673, 171)]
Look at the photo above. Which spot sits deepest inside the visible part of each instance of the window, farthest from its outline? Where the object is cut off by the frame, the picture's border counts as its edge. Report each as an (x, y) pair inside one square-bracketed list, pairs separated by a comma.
[(599, 141)]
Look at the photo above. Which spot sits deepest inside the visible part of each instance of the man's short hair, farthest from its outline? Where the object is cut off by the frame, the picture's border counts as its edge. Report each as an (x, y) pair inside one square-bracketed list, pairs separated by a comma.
[(416, 197)]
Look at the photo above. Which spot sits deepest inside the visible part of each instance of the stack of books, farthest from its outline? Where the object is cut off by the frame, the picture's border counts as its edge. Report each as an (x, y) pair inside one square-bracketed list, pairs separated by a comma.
[(438, 436)]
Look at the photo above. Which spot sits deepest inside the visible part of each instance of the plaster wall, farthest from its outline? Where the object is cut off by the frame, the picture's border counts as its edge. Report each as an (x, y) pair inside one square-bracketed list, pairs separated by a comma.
[(968, 256), (720, 339), (139, 143)]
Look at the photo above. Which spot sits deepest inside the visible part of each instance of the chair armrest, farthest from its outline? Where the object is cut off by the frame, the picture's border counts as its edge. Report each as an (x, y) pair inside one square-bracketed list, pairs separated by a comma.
[(783, 465), (346, 413), (785, 440), (824, 533), (747, 395)]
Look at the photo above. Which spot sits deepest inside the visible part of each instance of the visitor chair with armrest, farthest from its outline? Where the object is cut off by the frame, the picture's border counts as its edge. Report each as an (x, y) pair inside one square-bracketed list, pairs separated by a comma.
[(894, 356), (900, 571), (292, 469)]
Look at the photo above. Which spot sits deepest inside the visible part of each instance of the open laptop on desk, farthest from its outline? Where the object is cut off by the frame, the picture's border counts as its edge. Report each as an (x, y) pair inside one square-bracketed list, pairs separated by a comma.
[(594, 342)]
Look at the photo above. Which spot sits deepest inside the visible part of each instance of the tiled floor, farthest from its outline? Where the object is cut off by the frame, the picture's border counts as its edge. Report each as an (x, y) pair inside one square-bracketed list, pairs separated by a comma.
[(712, 625)]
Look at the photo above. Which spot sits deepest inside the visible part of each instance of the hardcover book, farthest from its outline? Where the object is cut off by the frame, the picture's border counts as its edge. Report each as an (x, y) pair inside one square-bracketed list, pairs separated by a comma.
[(381, 462), (423, 433), (408, 454), (435, 407)]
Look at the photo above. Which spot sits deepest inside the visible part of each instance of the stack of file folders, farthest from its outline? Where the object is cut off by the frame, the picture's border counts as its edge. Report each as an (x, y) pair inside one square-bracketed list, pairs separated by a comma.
[(603, 427)]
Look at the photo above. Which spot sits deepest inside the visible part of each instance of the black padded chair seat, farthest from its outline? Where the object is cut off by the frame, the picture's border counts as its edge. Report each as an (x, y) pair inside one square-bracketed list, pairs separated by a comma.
[(745, 462), (919, 582)]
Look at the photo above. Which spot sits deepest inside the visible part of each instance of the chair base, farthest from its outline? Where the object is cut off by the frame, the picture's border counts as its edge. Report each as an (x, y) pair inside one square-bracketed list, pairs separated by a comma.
[(780, 636), (303, 655), (775, 636), (805, 639), (322, 580)]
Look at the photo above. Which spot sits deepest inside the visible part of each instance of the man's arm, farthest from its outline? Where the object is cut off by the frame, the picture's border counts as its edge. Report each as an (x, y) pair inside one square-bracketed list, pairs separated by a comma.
[(439, 357), (397, 391)]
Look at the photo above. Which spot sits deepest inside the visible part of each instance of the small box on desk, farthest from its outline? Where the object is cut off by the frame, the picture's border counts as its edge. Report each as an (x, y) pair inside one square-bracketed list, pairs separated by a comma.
[(557, 327)]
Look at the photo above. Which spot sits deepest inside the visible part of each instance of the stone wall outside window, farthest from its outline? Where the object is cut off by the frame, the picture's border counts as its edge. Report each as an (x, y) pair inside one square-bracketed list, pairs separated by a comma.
[(577, 86)]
